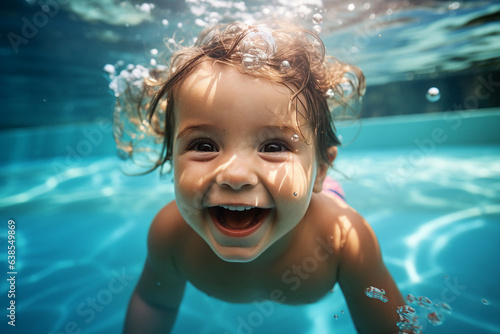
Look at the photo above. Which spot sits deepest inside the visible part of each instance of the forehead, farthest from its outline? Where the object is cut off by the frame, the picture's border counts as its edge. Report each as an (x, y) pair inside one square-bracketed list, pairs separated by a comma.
[(214, 80), (221, 89)]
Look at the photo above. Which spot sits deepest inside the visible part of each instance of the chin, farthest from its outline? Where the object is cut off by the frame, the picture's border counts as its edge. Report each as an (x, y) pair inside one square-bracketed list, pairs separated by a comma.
[(237, 254)]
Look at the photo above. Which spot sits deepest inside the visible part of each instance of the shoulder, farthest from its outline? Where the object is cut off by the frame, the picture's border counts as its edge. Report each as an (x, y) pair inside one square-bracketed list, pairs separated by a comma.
[(355, 237), (164, 235), (341, 222)]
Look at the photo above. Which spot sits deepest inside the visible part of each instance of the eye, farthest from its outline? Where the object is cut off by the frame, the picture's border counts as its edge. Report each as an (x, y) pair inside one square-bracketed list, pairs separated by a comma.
[(203, 145), (274, 146)]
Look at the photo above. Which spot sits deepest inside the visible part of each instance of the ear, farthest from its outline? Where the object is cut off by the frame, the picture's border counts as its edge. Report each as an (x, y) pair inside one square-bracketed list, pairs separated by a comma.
[(323, 169)]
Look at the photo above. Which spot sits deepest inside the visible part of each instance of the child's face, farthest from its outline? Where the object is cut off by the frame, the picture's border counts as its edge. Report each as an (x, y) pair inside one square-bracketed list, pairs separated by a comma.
[(243, 173)]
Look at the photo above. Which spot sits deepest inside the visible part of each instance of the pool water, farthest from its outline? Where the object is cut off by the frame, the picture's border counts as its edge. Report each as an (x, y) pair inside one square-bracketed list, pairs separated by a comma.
[(81, 239), (429, 185)]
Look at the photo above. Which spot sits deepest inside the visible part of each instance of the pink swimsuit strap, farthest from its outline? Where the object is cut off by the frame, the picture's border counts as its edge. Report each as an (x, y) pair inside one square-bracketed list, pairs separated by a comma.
[(334, 187)]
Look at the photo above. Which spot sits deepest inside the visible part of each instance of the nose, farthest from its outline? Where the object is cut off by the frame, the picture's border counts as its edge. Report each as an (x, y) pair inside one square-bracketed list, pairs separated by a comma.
[(237, 173)]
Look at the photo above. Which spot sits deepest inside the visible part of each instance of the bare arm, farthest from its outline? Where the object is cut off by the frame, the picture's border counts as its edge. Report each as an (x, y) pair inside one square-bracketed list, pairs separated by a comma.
[(155, 302), (361, 267), (153, 308)]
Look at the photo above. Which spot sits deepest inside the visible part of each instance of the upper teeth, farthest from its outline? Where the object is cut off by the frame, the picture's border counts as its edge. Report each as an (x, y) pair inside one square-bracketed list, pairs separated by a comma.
[(237, 208)]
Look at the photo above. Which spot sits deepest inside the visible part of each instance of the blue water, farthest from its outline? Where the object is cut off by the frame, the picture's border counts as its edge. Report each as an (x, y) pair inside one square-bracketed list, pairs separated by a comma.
[(81, 242), (81, 224)]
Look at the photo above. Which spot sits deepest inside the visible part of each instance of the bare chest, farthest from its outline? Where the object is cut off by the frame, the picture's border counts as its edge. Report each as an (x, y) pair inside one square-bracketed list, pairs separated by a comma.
[(303, 281)]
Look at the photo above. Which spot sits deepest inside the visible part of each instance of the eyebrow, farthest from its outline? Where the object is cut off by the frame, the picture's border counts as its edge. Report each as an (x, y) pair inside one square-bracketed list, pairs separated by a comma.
[(281, 128), (191, 128), (198, 127)]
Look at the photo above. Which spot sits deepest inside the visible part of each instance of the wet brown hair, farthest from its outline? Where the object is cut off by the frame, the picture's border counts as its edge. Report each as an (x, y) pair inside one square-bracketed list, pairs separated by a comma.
[(317, 83)]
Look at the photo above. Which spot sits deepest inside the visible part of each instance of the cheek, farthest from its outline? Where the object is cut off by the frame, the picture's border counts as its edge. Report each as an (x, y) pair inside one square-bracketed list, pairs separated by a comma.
[(187, 185), (294, 179)]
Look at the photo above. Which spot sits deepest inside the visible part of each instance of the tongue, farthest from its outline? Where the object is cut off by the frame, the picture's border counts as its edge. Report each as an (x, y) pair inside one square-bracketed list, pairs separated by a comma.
[(238, 219)]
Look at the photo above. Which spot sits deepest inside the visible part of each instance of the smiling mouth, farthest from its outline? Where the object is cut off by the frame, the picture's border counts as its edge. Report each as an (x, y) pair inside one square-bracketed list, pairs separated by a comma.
[(237, 221)]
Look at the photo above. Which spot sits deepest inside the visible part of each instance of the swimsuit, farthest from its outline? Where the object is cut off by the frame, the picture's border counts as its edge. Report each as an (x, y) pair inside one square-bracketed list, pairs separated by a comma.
[(330, 185)]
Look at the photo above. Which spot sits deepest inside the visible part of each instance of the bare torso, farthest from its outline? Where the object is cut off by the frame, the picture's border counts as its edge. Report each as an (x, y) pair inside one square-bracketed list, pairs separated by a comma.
[(300, 270)]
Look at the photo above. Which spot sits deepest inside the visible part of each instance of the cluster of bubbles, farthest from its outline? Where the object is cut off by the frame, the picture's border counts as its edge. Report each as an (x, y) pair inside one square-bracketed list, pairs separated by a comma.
[(416, 308), (408, 321), (256, 48), (317, 20), (132, 77), (132, 133), (259, 45), (420, 308)]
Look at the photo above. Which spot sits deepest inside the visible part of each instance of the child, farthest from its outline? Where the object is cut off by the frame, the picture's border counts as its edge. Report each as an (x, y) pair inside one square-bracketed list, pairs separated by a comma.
[(245, 119)]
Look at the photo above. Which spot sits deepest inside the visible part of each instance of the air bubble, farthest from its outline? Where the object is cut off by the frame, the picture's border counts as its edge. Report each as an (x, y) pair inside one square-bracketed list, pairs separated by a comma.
[(317, 29), (336, 317), (435, 318), (284, 66), (351, 7), (294, 194), (200, 23), (433, 94), (376, 293), (445, 308), (329, 94), (406, 311), (295, 137), (485, 301), (164, 22), (153, 51), (317, 18), (145, 7), (424, 302), (250, 61), (110, 69), (411, 299)]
